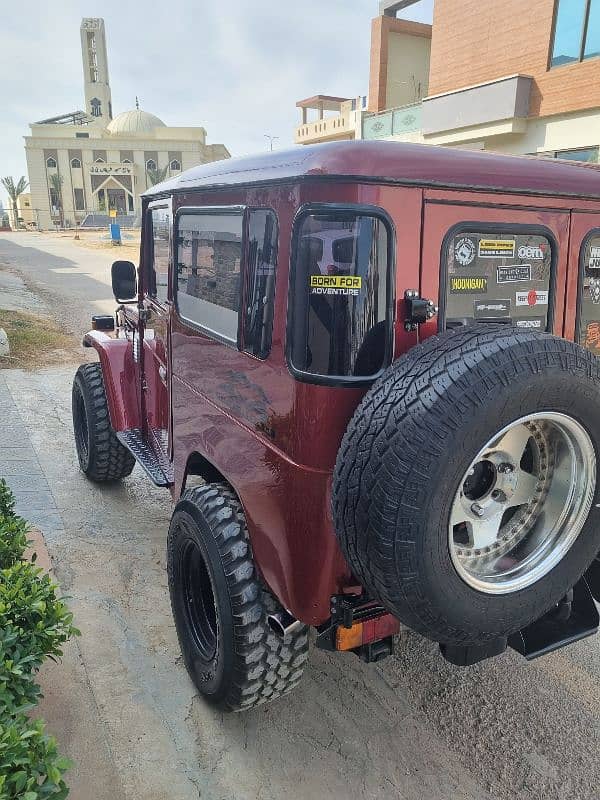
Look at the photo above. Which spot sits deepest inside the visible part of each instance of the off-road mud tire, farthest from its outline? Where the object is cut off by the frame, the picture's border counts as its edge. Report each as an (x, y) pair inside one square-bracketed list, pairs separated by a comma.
[(409, 442), (101, 455), (251, 663)]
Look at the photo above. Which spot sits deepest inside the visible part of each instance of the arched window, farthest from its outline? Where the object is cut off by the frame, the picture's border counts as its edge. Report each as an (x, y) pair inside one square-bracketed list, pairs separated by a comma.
[(99, 160), (151, 164), (126, 161), (75, 163), (51, 163), (175, 164)]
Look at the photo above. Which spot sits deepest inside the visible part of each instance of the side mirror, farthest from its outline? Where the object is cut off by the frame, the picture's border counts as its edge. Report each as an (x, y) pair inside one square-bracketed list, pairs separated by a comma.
[(124, 282)]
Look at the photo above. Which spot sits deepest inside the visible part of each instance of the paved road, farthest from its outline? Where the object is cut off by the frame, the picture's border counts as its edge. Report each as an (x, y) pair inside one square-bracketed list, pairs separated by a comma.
[(73, 279), (412, 727)]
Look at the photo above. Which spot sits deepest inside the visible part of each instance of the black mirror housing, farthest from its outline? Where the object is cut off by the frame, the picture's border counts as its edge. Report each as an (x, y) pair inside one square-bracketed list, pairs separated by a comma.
[(124, 281)]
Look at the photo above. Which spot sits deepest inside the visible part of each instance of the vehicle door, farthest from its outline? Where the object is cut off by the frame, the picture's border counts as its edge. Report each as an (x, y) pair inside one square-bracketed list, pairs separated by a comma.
[(494, 263), (582, 316), (156, 311)]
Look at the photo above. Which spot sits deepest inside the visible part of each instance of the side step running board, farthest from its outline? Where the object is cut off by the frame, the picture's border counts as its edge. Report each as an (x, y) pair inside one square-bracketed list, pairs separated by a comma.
[(160, 472)]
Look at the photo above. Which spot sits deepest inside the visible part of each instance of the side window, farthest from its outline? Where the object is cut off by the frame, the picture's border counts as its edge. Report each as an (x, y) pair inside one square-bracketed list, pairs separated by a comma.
[(260, 282), (159, 273), (589, 287), (339, 295), (496, 276), (209, 252)]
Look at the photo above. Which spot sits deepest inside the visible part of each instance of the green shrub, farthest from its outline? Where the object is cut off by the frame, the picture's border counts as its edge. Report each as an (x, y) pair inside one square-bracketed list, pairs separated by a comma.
[(34, 624), (30, 766)]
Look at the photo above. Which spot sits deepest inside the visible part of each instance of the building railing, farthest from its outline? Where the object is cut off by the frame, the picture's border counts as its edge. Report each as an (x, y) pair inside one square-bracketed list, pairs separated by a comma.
[(340, 126), (392, 122)]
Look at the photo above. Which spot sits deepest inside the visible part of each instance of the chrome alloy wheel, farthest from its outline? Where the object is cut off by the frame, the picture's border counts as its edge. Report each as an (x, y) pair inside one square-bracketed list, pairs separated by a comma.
[(522, 502)]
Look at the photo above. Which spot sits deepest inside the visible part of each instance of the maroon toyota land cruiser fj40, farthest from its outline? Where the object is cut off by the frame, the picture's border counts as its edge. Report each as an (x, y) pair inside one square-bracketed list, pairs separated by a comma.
[(368, 374)]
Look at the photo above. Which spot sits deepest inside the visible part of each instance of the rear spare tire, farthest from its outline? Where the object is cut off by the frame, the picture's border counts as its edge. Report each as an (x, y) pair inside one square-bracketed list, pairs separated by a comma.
[(465, 494)]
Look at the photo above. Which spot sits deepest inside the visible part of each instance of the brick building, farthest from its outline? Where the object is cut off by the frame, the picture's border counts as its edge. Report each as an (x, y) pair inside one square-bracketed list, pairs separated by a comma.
[(509, 76)]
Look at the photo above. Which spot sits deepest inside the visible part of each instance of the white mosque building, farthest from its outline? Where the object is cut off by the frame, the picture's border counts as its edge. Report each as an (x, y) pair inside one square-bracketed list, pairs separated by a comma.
[(103, 162)]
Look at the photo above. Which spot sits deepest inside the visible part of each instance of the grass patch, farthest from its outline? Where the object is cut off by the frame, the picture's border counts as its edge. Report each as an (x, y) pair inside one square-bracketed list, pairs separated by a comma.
[(34, 341)]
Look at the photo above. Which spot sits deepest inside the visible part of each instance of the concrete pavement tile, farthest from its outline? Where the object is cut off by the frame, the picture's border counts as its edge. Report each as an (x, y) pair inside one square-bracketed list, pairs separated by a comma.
[(24, 453), (25, 467), (34, 499)]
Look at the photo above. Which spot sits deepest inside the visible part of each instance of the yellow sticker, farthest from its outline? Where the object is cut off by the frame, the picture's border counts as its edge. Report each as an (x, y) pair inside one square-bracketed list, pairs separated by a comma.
[(496, 248), (336, 281)]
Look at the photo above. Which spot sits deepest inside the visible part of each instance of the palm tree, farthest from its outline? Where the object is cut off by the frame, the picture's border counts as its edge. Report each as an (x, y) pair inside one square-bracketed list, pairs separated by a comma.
[(156, 174), (14, 190), (56, 185)]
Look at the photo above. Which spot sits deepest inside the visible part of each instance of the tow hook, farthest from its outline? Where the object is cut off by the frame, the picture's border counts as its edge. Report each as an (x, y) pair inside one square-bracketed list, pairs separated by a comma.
[(418, 310)]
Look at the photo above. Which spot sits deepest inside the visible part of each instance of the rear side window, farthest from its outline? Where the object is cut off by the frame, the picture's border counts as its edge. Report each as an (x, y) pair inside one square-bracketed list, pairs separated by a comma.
[(339, 326), (260, 282), (497, 276), (159, 273), (209, 253), (589, 303)]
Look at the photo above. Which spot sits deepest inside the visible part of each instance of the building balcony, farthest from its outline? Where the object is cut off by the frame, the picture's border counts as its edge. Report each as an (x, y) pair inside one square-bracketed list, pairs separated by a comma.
[(502, 103), (393, 123), (344, 123)]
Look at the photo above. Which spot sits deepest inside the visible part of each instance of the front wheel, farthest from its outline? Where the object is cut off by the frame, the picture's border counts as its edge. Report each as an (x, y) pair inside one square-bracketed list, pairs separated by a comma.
[(220, 608), (101, 455)]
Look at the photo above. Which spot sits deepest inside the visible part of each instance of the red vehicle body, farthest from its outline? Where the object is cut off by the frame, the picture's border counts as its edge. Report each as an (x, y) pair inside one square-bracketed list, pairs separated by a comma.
[(204, 407)]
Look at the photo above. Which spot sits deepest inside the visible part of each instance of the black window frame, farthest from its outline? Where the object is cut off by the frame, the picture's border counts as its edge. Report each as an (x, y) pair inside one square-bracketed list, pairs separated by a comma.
[(235, 210), (502, 228), (245, 282), (583, 39), (151, 287), (591, 234), (351, 209)]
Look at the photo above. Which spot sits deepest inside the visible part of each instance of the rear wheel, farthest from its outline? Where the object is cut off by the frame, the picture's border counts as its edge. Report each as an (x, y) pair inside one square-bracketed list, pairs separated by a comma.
[(220, 608), (101, 455)]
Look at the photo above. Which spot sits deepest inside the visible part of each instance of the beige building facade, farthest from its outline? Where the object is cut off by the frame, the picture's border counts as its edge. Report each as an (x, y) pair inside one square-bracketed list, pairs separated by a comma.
[(86, 164), (484, 77)]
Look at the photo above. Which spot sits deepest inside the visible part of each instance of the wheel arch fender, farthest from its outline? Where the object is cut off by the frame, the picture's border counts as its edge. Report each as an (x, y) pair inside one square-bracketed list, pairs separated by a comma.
[(120, 378)]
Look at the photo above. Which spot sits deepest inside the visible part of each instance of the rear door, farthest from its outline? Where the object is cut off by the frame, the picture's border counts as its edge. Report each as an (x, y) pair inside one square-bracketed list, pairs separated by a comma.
[(495, 263), (582, 315)]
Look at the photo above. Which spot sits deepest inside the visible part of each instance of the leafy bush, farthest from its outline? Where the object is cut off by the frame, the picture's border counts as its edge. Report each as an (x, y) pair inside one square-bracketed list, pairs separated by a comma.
[(34, 624)]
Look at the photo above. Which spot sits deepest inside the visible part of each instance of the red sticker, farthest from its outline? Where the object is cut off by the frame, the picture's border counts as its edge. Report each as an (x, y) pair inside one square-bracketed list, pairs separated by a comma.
[(532, 297)]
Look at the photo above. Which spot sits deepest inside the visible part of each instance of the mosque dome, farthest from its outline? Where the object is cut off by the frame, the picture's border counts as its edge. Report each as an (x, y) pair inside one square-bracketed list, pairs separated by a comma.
[(135, 121)]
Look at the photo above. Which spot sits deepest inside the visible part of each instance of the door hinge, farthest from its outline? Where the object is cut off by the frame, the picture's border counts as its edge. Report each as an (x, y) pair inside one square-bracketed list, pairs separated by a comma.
[(418, 310)]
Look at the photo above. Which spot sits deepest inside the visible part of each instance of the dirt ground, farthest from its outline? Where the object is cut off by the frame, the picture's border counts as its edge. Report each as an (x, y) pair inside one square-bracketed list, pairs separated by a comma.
[(412, 727)]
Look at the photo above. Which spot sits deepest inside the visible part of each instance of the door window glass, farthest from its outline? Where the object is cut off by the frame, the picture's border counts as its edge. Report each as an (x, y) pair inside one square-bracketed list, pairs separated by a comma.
[(209, 251), (260, 282), (339, 295), (159, 275), (589, 303), (498, 277)]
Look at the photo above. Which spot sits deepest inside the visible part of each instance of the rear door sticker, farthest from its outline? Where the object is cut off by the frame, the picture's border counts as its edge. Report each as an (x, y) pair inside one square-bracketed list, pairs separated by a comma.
[(513, 274), (534, 252), (491, 309), (535, 322), (592, 336), (464, 251), (475, 284), (496, 248), (595, 290), (594, 260), (533, 297)]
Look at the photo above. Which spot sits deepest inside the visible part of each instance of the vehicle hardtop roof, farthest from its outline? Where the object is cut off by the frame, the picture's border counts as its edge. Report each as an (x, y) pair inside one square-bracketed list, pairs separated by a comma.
[(394, 162)]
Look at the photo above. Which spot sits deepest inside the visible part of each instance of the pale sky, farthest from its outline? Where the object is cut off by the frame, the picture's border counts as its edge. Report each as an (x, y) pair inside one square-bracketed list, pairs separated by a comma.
[(236, 68)]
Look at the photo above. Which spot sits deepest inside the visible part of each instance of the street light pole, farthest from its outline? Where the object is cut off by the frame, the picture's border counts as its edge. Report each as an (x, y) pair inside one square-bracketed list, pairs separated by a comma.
[(271, 140)]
